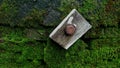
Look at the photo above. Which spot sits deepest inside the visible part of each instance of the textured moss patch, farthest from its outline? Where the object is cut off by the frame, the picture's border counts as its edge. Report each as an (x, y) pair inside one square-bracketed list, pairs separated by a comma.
[(98, 43), (34, 18), (103, 33), (25, 27), (81, 57), (8, 13), (21, 54), (62, 58)]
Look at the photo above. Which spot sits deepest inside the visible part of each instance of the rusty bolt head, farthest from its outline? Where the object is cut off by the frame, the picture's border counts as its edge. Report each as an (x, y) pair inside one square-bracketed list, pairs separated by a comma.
[(70, 29)]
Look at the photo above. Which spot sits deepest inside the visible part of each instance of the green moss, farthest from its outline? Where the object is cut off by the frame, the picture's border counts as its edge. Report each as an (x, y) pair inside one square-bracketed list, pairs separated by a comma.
[(23, 55), (99, 43), (75, 57), (7, 13), (107, 56), (13, 35), (56, 56), (35, 34), (66, 6), (103, 33), (34, 18), (26, 45)]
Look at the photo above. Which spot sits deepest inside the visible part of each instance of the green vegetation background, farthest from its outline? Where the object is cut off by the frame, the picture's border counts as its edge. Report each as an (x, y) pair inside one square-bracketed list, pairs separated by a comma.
[(26, 24)]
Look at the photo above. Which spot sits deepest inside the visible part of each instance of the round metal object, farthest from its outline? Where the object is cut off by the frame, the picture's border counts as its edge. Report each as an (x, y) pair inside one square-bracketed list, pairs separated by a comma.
[(70, 29)]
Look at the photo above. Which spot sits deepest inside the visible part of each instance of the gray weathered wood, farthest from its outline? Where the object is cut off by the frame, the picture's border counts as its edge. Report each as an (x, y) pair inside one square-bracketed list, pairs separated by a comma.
[(82, 26)]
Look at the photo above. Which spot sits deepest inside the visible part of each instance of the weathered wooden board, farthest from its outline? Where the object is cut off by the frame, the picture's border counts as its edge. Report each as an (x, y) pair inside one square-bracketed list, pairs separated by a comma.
[(82, 26)]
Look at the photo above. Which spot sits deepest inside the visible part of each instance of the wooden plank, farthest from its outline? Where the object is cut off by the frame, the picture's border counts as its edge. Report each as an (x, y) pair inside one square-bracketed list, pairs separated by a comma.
[(82, 26)]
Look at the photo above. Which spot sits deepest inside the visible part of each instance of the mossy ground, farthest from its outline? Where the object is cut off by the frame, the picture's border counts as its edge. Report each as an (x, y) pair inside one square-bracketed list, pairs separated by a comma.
[(25, 27)]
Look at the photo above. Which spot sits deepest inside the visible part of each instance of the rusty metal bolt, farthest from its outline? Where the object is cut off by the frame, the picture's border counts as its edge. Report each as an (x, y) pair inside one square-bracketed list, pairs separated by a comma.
[(70, 29)]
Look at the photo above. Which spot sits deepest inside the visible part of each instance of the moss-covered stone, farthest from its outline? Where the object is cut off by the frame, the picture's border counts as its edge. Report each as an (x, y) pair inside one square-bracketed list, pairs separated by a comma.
[(25, 27), (80, 57), (99, 43), (103, 33), (21, 55), (56, 56)]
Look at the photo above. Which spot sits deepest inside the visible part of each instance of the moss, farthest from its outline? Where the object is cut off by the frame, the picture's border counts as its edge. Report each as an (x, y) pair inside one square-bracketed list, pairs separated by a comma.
[(67, 5), (17, 50), (35, 34), (103, 33), (75, 57), (34, 18), (26, 25), (27, 54), (13, 35), (25, 13), (64, 58), (18, 35), (106, 55), (99, 43), (7, 13)]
